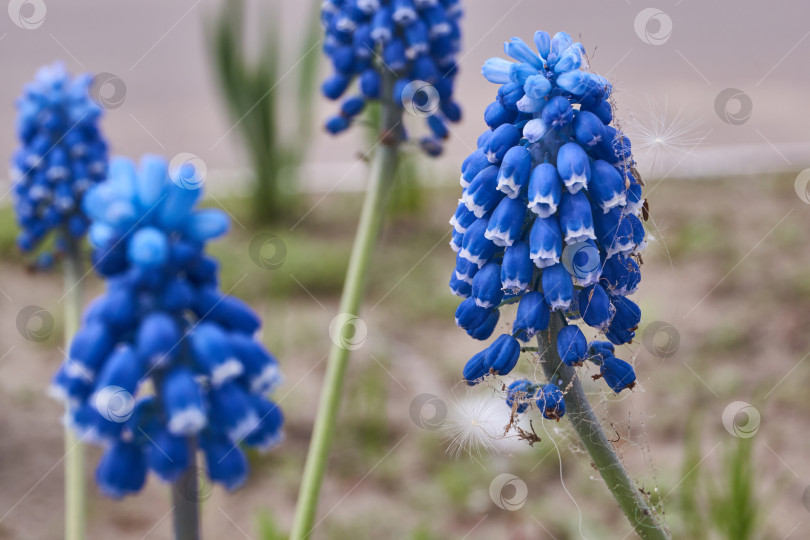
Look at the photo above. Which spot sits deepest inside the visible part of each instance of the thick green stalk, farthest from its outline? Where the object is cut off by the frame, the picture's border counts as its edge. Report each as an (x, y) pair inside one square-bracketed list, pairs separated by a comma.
[(632, 501), (381, 177), (186, 499), (75, 502)]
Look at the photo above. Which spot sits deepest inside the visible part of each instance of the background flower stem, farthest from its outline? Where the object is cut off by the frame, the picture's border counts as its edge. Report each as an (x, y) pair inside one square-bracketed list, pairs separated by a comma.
[(74, 452), (186, 499), (381, 177), (641, 515)]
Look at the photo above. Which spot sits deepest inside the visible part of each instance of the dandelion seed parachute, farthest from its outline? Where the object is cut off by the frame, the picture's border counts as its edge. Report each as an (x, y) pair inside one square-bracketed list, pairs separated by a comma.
[(416, 39), (62, 154), (164, 325), (549, 197)]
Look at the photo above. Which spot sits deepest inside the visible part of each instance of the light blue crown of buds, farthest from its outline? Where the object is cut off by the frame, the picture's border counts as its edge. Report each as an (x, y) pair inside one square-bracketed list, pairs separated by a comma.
[(417, 40), (61, 155), (164, 356), (548, 218)]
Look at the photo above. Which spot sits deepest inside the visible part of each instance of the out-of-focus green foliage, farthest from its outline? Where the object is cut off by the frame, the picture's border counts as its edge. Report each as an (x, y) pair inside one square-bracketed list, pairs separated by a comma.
[(251, 92), (721, 504)]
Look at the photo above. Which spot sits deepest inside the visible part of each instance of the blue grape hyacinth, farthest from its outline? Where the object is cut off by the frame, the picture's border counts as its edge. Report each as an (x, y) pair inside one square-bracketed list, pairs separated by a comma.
[(416, 39), (62, 154), (550, 217), (164, 357)]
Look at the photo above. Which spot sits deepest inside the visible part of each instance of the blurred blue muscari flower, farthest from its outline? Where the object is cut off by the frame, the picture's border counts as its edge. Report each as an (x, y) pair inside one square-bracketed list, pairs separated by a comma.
[(552, 200), (416, 39), (164, 357), (62, 154)]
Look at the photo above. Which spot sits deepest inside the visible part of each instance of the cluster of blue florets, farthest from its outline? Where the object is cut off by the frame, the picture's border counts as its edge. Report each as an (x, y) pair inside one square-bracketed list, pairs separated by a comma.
[(164, 357), (416, 39), (61, 155), (549, 218)]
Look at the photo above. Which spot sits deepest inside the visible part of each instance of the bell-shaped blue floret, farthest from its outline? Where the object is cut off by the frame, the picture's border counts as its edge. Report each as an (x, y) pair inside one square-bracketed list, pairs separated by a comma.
[(337, 124), (576, 221), (268, 433), (506, 223), (606, 186), (474, 369), (573, 167), (261, 371), (513, 175), (517, 268), (603, 110), (227, 311), (476, 247), (469, 315), (572, 347), (595, 307), (503, 138), (122, 470), (520, 51), (533, 316), (225, 462), (148, 248), (462, 218), (482, 195), (536, 87), (465, 270), (207, 224), (551, 401), (90, 346), (542, 40), (502, 356), (588, 129), (545, 242), (213, 355), (486, 286), (519, 394), (157, 339), (509, 94), (615, 274), (472, 165), (638, 232), (334, 86), (618, 374), (459, 287), (485, 329), (167, 455), (557, 113), (558, 288), (182, 400), (545, 190), (570, 59), (535, 129), (496, 115), (626, 318), (496, 70), (614, 231), (231, 412), (456, 240), (520, 72), (598, 351), (122, 371)]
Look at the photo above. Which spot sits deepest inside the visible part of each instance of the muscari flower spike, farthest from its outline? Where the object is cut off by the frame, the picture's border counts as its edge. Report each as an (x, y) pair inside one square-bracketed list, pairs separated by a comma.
[(62, 154), (552, 205), (416, 39), (164, 356)]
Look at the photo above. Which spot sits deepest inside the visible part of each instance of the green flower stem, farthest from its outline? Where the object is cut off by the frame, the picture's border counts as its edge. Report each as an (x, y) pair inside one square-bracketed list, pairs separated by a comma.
[(381, 178), (75, 496), (641, 515), (186, 499)]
